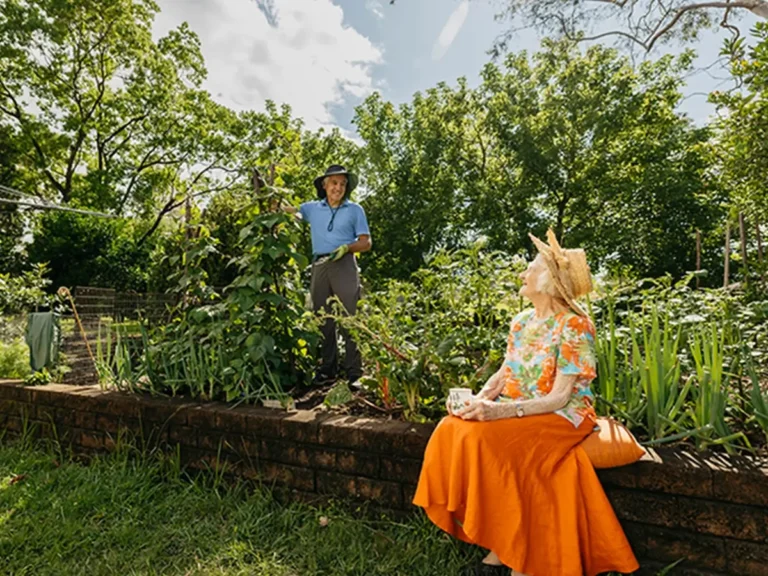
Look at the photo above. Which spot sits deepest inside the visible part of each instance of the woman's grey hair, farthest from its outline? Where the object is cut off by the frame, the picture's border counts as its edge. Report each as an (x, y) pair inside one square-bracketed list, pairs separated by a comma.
[(545, 284)]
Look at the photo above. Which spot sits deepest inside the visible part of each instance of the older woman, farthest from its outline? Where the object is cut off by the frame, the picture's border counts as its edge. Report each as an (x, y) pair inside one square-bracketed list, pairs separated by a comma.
[(506, 471)]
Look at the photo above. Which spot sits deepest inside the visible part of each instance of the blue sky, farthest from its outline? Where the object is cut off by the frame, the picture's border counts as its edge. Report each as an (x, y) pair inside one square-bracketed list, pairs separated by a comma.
[(324, 56)]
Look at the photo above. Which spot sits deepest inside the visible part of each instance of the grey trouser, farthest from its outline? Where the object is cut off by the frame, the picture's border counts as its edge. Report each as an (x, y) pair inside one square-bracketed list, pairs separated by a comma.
[(337, 279)]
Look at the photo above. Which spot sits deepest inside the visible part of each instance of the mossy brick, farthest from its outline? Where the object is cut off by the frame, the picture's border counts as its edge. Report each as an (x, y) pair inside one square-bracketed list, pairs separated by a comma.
[(265, 422), (415, 439), (748, 558), (379, 492), (232, 420), (358, 463), (400, 469), (184, 435), (302, 426), (286, 475)]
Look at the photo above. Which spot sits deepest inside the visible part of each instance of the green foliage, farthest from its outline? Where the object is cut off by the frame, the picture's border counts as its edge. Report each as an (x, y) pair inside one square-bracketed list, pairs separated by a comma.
[(574, 139), (85, 251), (672, 361), (251, 344), (742, 153), (445, 327), (14, 359), (24, 292)]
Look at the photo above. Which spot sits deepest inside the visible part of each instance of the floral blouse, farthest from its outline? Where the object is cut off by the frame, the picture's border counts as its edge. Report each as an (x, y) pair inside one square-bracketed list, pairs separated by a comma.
[(538, 349)]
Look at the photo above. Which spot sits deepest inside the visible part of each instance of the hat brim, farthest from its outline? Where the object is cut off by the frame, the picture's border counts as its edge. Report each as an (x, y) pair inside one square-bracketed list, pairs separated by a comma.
[(546, 252), (352, 182)]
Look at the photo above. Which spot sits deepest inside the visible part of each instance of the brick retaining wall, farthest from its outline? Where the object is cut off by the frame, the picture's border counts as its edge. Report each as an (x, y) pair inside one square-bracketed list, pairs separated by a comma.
[(710, 509)]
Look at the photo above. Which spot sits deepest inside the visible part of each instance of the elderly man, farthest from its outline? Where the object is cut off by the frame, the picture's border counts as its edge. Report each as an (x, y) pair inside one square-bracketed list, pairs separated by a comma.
[(339, 229)]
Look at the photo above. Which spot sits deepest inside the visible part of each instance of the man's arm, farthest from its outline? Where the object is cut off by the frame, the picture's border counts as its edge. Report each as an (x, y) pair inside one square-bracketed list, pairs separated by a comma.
[(362, 244)]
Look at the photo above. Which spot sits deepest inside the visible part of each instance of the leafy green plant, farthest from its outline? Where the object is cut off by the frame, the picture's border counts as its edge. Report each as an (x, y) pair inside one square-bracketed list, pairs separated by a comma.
[(445, 327), (22, 293), (252, 343), (14, 359)]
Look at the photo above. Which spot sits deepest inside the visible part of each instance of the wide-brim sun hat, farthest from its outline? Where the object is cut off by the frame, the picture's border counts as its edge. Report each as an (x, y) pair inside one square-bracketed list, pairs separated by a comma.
[(569, 270), (334, 170)]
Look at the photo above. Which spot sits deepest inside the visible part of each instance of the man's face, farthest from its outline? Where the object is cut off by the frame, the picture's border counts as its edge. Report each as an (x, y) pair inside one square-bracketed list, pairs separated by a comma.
[(335, 187)]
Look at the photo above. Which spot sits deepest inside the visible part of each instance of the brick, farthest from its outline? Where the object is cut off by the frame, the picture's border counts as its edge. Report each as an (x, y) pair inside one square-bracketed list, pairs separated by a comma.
[(302, 426), (162, 411), (8, 406), (357, 463), (701, 516), (740, 480), (13, 423), (113, 424), (323, 459), (285, 475), (383, 437), (265, 423), (92, 440), (644, 507), (15, 390), (340, 431), (65, 416), (233, 421), (401, 469), (86, 420), (212, 440), (669, 545), (183, 435), (746, 558), (286, 452), (203, 416), (50, 394), (44, 413), (721, 519), (415, 439), (675, 472), (380, 492), (409, 491)]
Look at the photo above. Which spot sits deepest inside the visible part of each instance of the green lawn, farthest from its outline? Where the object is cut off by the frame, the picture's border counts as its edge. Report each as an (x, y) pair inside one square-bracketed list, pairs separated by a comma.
[(127, 515)]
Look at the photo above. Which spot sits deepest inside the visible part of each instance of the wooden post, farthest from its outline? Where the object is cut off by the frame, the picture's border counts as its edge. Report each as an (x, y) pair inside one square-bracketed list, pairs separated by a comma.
[(698, 256), (726, 271), (759, 248), (743, 242)]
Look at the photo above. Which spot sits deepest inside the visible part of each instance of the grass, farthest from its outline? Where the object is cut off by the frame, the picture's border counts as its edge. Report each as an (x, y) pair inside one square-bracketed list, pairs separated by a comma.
[(127, 515)]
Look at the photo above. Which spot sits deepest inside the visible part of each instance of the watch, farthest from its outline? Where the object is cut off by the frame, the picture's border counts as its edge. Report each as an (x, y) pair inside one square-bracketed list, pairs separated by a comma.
[(519, 412)]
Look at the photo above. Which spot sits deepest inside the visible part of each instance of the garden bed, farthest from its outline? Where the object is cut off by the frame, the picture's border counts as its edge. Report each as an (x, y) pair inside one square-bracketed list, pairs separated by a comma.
[(709, 509)]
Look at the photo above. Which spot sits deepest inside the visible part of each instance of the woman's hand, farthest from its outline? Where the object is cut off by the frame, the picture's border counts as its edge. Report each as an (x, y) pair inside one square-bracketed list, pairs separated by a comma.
[(481, 409), (493, 386)]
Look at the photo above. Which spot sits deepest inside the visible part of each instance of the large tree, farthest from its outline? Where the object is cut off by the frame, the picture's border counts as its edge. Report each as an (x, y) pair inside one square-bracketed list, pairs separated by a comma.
[(577, 140), (634, 24), (107, 117), (742, 146)]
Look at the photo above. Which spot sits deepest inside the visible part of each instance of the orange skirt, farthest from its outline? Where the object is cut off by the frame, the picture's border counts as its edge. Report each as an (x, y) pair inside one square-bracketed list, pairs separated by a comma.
[(524, 489)]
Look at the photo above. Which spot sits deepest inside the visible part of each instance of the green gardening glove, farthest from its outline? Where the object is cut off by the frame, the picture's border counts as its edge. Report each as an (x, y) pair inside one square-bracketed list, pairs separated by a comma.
[(338, 253)]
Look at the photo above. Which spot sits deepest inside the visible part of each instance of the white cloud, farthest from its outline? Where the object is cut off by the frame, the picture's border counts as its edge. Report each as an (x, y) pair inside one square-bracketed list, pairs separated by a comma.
[(375, 8), (300, 53), (450, 30)]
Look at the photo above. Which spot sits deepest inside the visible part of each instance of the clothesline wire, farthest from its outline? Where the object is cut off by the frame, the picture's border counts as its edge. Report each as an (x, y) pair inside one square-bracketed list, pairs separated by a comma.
[(30, 201)]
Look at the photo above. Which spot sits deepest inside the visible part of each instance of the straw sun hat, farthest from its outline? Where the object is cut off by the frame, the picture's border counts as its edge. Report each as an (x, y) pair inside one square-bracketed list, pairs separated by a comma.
[(569, 270)]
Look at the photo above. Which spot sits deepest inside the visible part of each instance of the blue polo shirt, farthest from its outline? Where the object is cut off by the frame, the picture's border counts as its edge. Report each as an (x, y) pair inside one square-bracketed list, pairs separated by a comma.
[(348, 225)]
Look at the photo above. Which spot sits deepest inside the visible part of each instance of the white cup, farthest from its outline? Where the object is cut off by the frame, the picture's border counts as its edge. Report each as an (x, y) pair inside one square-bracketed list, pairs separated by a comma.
[(457, 397)]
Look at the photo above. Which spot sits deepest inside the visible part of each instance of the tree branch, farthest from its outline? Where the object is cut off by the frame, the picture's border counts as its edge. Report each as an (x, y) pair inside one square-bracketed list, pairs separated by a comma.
[(659, 31)]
